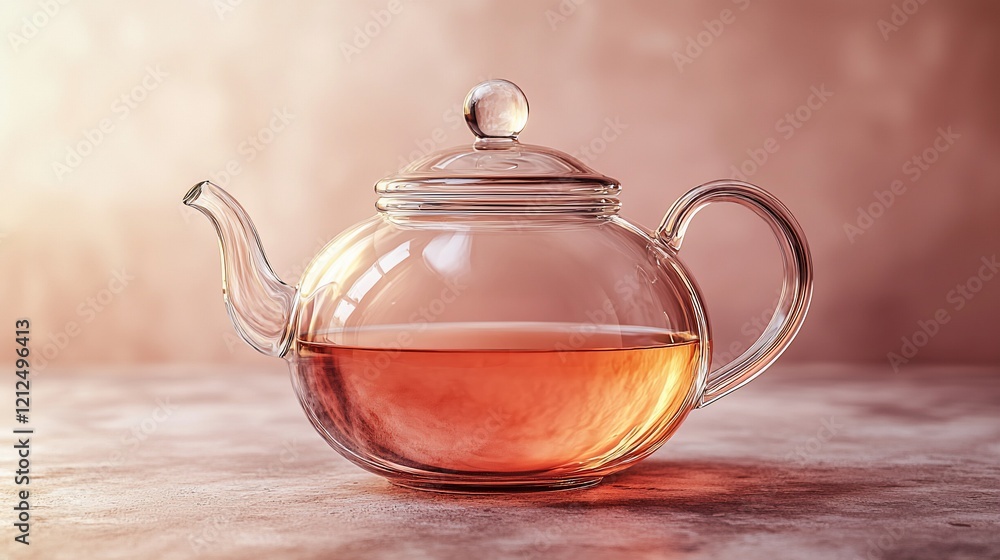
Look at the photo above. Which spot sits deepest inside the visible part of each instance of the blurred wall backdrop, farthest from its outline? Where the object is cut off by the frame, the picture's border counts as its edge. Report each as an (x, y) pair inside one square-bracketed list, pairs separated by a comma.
[(876, 122)]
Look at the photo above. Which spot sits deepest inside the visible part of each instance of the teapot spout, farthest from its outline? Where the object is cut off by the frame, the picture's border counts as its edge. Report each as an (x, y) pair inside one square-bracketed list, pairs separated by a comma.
[(259, 303)]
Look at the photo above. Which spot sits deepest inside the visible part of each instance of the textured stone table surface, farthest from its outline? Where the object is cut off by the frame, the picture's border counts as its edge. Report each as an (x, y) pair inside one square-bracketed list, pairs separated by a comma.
[(818, 461)]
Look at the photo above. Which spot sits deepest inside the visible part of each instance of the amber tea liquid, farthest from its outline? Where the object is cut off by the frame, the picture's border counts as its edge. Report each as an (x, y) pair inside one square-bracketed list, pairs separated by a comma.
[(501, 398)]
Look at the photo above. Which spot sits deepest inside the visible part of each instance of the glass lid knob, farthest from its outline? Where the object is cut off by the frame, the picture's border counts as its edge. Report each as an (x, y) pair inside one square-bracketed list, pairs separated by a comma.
[(496, 109)]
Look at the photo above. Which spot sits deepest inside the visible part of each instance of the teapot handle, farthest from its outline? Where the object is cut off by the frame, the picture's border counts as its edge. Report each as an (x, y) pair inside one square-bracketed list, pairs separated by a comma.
[(796, 290)]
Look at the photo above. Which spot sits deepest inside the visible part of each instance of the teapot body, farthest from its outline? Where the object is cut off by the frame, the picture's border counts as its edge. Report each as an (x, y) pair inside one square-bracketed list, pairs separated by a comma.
[(497, 326), (473, 354)]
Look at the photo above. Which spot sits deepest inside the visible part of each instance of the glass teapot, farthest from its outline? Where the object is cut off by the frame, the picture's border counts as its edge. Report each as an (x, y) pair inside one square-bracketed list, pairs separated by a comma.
[(496, 326)]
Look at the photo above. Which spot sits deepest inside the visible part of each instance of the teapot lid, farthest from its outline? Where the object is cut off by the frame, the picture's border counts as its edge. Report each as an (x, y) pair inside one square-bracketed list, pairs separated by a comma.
[(498, 174)]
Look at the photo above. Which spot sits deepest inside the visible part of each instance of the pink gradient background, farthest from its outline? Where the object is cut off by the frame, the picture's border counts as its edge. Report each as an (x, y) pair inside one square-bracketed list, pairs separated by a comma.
[(355, 119)]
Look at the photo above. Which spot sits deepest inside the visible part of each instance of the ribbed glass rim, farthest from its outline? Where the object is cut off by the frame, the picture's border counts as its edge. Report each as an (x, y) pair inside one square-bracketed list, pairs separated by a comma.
[(498, 195)]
